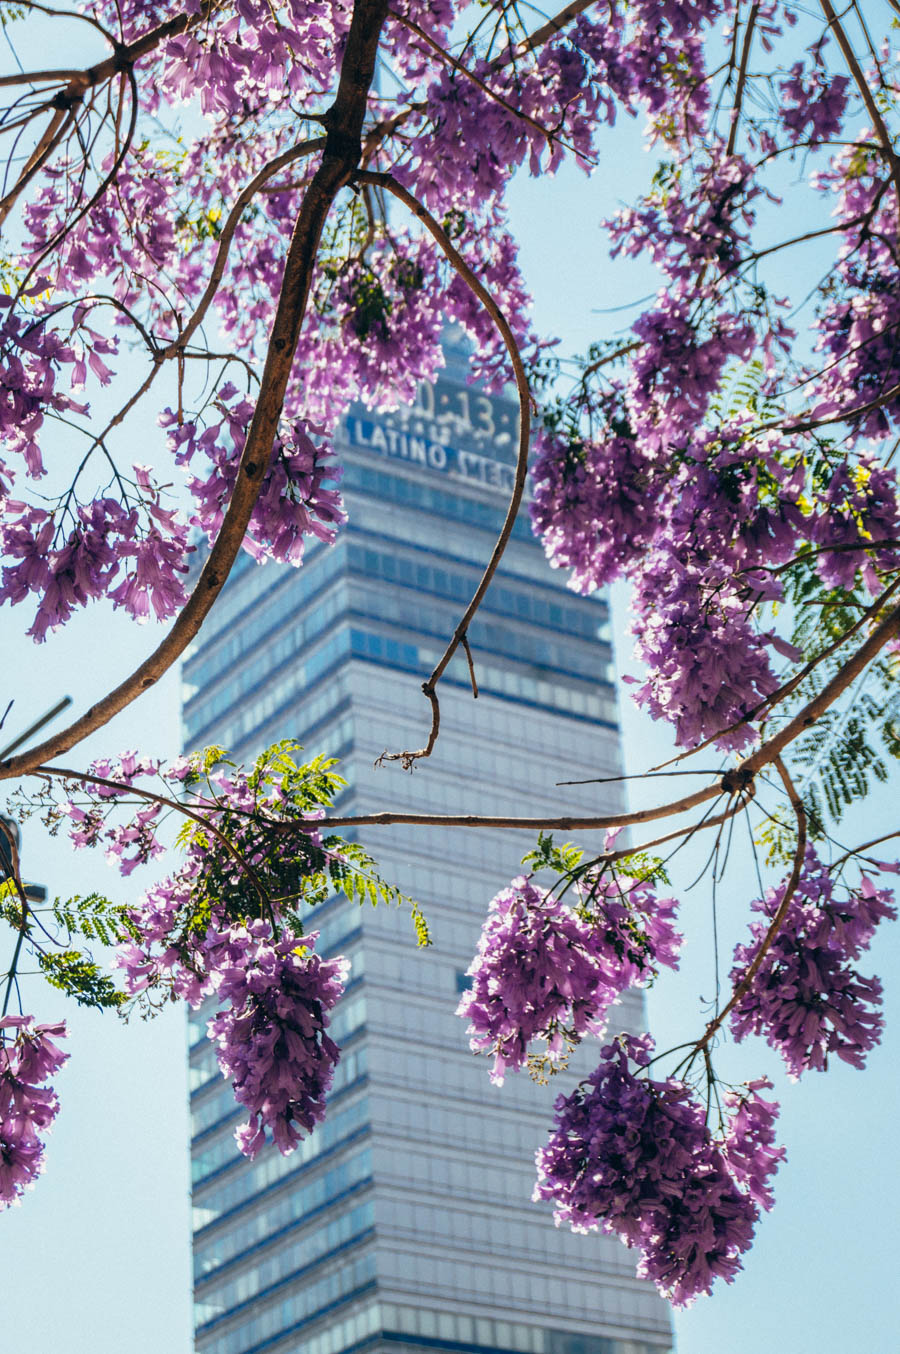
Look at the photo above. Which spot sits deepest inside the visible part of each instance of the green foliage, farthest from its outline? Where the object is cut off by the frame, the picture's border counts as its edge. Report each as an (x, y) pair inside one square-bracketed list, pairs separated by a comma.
[(10, 905), (371, 306), (72, 970), (542, 1066), (420, 925), (568, 862), (547, 856), (821, 614), (643, 868), (850, 746), (839, 760), (94, 917), (292, 870), (79, 977), (778, 837), (454, 223), (210, 757), (740, 390)]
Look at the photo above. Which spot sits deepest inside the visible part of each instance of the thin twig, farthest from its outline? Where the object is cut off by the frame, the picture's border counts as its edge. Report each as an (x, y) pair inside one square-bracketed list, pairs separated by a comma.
[(868, 99), (224, 244), (437, 232), (542, 34), (744, 984), (742, 79), (64, 773), (468, 652)]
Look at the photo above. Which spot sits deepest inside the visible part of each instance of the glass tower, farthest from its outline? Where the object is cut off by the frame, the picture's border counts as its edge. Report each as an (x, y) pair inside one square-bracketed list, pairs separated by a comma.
[(405, 1221)]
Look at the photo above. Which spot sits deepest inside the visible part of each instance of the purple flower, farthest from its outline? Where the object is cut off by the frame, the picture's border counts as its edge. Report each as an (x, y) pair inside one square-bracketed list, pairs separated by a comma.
[(594, 503), (27, 1107), (634, 1157), (807, 999), (548, 971), (272, 1038)]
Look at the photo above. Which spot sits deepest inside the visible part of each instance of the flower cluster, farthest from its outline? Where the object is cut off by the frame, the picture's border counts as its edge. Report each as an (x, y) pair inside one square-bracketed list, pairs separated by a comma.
[(699, 531), (28, 1058), (271, 1039), (807, 998), (594, 504), (709, 667), (856, 327), (227, 924), (635, 1156), (548, 971), (861, 524), (295, 501)]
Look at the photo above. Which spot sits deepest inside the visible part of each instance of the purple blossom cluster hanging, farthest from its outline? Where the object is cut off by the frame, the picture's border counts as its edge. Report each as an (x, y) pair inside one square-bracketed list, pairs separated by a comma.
[(28, 1058), (635, 1156), (547, 970), (271, 1040), (807, 998)]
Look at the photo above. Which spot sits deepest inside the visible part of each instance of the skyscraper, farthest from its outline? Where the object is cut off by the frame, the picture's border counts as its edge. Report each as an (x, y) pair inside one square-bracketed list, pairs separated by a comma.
[(405, 1220)]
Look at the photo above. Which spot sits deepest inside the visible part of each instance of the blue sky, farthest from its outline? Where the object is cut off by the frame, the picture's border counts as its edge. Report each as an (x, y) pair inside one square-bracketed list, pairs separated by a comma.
[(97, 1258)]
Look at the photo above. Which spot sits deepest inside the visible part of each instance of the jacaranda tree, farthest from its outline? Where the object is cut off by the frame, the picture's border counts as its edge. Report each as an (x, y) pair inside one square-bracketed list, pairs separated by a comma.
[(242, 216)]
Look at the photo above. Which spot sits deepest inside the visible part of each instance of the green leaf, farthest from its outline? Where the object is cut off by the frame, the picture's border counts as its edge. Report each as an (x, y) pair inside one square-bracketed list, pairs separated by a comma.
[(423, 935), (94, 917), (643, 868), (546, 856), (79, 977)]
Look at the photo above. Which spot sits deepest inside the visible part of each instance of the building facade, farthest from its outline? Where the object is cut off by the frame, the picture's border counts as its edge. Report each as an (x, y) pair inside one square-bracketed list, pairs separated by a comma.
[(405, 1221)]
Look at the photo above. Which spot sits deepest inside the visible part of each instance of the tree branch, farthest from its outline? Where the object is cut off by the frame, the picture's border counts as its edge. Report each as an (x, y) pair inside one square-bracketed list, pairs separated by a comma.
[(862, 85), (542, 34), (279, 162), (344, 122), (63, 773), (456, 259), (742, 79)]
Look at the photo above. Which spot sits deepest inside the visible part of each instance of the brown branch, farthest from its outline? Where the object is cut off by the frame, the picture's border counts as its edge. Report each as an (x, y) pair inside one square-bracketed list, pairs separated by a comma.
[(622, 351), (858, 850), (814, 709), (63, 773), (78, 82), (511, 55), (51, 137), (344, 122), (468, 652), (14, 873), (810, 425), (470, 75), (742, 78), (437, 232), (741, 777), (542, 34), (279, 162), (844, 548), (862, 85), (97, 195), (690, 828), (126, 54), (565, 824)]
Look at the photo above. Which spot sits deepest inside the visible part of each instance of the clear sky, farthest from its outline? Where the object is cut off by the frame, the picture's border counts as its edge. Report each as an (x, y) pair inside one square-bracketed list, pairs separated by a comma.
[(97, 1258)]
